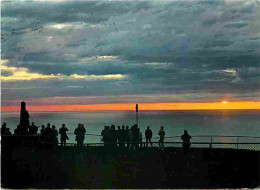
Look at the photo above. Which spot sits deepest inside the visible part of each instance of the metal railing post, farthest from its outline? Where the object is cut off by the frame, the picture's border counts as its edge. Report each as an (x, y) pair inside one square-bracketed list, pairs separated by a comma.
[(210, 145), (237, 141)]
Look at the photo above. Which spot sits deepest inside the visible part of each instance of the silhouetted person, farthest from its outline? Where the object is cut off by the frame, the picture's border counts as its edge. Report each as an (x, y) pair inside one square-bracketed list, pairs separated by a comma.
[(33, 129), (161, 133), (127, 137), (135, 136), (140, 138), (80, 134), (19, 130), (24, 120), (113, 133), (106, 136), (54, 135), (43, 133), (48, 135), (3, 128), (148, 136), (186, 141), (119, 136), (8, 132), (63, 135), (124, 135)]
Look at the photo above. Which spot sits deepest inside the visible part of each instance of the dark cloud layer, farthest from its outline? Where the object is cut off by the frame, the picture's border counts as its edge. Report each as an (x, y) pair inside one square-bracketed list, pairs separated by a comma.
[(161, 47)]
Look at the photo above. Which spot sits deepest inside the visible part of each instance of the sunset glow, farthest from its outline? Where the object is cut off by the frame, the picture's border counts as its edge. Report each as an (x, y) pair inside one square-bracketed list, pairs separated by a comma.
[(142, 107), (224, 102)]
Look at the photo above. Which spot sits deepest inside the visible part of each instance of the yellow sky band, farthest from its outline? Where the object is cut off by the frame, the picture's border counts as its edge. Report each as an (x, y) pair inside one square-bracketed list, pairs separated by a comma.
[(142, 106)]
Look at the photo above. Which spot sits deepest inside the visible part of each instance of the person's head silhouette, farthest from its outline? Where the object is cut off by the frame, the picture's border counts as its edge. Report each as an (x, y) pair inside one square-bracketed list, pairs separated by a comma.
[(162, 127), (113, 127)]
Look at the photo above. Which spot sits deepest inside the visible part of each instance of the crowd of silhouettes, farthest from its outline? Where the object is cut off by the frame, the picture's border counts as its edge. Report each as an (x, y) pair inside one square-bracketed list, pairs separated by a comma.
[(123, 136), (132, 138)]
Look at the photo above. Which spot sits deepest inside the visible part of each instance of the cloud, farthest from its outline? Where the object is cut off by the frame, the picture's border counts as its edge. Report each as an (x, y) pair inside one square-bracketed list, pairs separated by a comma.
[(22, 74), (143, 47), (61, 26), (98, 77)]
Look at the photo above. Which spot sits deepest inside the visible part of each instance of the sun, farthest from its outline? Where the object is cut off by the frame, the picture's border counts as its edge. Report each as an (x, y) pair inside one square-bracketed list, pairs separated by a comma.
[(224, 102)]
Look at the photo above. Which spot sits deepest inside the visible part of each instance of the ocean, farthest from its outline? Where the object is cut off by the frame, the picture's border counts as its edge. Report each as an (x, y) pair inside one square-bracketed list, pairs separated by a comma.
[(213, 122)]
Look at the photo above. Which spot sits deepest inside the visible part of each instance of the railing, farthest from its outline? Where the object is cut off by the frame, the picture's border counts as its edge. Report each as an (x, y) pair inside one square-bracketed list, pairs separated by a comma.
[(218, 145), (195, 138), (197, 141)]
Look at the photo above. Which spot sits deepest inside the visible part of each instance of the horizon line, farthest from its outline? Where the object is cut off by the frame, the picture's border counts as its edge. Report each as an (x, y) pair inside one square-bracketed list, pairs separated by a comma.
[(178, 106)]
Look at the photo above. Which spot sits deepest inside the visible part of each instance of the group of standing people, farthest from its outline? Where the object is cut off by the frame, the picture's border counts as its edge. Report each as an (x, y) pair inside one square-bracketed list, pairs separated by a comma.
[(122, 137), (131, 138), (50, 135)]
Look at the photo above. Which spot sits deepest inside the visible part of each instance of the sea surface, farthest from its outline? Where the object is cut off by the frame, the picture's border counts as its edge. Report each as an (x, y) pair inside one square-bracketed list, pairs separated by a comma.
[(216, 122)]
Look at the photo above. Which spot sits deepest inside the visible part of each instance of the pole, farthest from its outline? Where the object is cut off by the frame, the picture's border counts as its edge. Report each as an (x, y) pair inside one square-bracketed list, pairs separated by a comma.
[(136, 111), (137, 118), (211, 140)]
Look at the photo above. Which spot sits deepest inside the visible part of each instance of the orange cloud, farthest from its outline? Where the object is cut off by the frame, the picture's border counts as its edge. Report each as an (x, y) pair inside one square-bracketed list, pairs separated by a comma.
[(142, 106)]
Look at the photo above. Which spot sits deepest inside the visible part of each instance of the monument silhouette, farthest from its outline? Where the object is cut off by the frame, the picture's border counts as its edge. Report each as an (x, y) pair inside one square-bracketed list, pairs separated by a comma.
[(23, 127)]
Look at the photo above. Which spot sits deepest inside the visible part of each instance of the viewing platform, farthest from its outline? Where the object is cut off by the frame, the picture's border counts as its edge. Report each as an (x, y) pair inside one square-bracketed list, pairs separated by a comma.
[(27, 162)]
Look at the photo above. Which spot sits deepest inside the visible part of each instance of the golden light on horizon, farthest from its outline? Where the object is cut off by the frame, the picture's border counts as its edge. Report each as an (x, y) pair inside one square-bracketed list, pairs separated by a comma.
[(254, 105), (224, 102)]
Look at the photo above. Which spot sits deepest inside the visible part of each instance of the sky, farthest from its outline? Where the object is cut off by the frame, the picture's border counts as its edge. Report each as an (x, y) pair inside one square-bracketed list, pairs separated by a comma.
[(58, 53)]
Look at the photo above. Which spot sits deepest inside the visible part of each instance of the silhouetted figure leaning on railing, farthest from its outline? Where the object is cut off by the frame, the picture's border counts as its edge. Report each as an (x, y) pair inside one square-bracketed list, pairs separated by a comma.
[(63, 135), (148, 136), (80, 134), (186, 141)]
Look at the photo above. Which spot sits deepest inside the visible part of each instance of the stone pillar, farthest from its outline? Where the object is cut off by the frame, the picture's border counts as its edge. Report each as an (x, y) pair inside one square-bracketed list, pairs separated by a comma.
[(24, 119)]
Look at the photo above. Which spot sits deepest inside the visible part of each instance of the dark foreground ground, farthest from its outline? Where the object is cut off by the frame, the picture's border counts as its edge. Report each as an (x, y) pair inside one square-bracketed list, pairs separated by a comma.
[(96, 167)]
